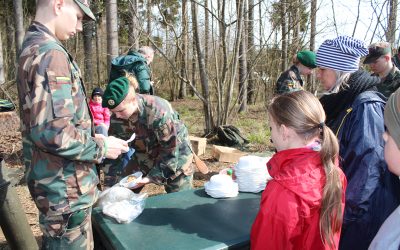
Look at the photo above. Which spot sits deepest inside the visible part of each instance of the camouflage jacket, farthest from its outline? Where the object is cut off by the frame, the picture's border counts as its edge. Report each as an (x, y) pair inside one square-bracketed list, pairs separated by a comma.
[(162, 142), (390, 83), (58, 147), (289, 81)]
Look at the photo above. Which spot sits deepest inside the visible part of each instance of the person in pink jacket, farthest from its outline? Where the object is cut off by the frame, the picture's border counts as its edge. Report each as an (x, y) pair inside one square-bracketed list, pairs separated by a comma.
[(101, 116), (302, 206)]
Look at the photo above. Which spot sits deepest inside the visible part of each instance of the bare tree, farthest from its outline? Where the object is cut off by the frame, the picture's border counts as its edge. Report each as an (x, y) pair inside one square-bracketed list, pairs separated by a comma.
[(112, 31), (202, 69), (313, 14), (206, 31), (284, 36), (148, 17), (133, 25), (2, 75), (88, 51), (241, 4), (19, 24), (250, 49), (182, 89), (357, 19), (391, 29)]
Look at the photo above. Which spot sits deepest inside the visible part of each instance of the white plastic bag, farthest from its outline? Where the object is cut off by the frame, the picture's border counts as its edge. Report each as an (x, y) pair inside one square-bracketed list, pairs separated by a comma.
[(121, 203)]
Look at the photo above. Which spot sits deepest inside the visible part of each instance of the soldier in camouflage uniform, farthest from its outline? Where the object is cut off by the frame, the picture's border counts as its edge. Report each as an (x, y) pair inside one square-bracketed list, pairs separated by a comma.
[(59, 149), (163, 151), (290, 80), (379, 59)]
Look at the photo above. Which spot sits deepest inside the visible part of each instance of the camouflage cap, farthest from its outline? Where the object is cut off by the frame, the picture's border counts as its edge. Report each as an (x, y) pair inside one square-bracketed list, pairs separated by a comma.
[(377, 50), (115, 92), (84, 5)]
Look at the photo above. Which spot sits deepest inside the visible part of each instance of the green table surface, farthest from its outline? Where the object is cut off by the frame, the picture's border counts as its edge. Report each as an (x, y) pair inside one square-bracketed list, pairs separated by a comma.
[(183, 220)]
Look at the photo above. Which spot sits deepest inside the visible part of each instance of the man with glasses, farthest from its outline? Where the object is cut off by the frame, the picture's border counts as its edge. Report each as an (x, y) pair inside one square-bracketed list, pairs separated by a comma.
[(379, 59)]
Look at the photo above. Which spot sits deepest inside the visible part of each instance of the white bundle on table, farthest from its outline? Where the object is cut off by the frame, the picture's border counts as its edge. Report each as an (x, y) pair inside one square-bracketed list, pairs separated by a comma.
[(221, 186), (252, 173)]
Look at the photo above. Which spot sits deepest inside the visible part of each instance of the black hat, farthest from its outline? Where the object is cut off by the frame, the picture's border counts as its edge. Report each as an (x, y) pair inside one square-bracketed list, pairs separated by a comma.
[(97, 91), (377, 50)]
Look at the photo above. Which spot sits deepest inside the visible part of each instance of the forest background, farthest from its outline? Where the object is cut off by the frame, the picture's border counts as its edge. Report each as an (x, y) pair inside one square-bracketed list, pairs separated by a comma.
[(217, 61), (226, 54)]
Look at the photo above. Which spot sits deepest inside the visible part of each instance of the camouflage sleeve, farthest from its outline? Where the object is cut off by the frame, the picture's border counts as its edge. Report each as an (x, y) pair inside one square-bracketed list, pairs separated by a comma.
[(166, 164), (55, 128)]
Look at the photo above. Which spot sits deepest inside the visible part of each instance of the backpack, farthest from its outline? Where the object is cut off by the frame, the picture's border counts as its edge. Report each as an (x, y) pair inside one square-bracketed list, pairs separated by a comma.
[(6, 105), (230, 135)]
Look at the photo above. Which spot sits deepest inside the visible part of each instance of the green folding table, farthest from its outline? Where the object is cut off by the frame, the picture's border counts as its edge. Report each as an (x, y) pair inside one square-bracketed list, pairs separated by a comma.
[(183, 220)]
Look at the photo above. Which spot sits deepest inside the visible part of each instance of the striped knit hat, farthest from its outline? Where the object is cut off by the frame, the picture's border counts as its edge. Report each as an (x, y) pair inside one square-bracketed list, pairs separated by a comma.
[(342, 53)]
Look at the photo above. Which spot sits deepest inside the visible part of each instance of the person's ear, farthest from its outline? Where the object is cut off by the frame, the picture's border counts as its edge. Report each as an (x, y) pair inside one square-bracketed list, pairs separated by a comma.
[(284, 131), (57, 6)]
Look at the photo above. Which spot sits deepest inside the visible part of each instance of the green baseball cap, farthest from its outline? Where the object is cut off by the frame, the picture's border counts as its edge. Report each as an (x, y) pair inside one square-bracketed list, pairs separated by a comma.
[(115, 92), (84, 5)]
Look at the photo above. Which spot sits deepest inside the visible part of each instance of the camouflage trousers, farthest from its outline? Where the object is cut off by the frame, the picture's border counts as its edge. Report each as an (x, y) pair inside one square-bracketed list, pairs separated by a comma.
[(113, 172), (67, 231)]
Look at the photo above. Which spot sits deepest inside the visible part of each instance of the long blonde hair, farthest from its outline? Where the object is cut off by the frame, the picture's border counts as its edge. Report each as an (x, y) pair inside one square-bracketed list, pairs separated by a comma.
[(303, 112)]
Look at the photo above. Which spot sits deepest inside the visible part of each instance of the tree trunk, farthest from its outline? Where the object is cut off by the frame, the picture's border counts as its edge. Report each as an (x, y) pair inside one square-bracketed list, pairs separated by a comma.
[(148, 17), (193, 66), (296, 26), (250, 49), (134, 24), (112, 31), (391, 29), (206, 31), (19, 24), (284, 36), (202, 69), (2, 75), (238, 37), (242, 58), (10, 47), (182, 89), (88, 51), (313, 14)]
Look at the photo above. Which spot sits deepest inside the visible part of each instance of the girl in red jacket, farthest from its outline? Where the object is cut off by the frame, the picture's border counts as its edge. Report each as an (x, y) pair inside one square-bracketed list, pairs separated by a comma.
[(302, 207), (101, 116)]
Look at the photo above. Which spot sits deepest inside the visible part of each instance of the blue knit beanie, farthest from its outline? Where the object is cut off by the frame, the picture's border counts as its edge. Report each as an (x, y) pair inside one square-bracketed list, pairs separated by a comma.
[(342, 53)]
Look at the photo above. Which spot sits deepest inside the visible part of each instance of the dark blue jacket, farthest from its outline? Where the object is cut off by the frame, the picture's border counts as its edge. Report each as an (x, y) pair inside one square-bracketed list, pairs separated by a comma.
[(372, 191)]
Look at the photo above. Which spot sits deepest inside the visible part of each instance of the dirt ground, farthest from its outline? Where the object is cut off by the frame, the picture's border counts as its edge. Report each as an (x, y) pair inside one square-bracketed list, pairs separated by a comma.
[(11, 151)]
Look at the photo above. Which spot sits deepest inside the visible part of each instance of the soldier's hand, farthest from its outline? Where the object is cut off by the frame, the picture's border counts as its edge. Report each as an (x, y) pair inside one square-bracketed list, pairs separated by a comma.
[(142, 182), (115, 147)]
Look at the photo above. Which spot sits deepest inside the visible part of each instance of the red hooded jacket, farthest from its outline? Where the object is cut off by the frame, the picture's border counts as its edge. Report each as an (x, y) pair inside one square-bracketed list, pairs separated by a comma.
[(291, 203), (100, 114)]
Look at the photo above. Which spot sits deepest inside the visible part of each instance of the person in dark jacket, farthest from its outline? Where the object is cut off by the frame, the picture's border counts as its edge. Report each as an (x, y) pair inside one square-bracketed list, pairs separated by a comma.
[(379, 59), (290, 80), (355, 114), (388, 236), (138, 64)]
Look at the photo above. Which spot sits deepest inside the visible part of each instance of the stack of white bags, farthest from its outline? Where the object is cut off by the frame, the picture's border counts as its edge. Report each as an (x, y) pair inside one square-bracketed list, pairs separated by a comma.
[(221, 186), (251, 173)]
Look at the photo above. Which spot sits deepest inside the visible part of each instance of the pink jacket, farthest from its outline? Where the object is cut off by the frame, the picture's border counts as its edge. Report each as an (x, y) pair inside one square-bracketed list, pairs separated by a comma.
[(100, 114)]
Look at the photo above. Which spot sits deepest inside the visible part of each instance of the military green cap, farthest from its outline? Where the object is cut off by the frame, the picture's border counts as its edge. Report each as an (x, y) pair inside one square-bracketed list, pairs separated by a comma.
[(115, 92), (307, 58), (84, 5)]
